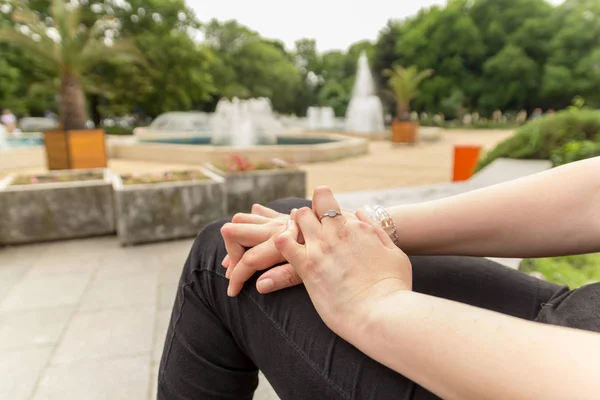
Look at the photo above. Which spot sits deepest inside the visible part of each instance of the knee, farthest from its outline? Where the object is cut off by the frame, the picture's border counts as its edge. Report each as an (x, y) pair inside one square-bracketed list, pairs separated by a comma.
[(208, 245), (286, 205)]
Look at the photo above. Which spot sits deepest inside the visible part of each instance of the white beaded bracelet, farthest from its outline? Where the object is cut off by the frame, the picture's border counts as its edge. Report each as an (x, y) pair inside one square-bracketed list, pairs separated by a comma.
[(381, 216)]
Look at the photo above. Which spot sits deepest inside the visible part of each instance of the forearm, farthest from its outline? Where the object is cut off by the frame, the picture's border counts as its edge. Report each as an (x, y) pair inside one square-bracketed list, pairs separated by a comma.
[(556, 212), (461, 352)]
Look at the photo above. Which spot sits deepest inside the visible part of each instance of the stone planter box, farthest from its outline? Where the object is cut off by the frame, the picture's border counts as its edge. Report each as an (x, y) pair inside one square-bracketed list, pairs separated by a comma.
[(54, 211), (262, 186), (167, 210)]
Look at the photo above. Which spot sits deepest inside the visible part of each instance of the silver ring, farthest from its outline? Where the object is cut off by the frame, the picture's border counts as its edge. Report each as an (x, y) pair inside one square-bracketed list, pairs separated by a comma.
[(331, 214)]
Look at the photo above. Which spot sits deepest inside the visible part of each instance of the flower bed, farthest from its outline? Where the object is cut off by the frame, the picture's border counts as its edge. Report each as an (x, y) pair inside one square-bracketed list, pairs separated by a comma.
[(55, 206), (248, 182), (157, 207)]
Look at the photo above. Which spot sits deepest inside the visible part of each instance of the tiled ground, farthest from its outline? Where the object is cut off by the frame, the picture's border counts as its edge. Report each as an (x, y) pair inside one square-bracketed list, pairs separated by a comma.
[(86, 319)]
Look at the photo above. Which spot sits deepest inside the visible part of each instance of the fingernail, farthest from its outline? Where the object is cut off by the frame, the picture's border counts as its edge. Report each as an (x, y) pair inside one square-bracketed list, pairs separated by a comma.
[(225, 262), (228, 273), (229, 291), (265, 285), (289, 223)]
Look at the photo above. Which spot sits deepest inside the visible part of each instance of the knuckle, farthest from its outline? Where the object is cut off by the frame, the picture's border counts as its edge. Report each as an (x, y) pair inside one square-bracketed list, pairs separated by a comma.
[(326, 248), (251, 259), (290, 278), (366, 227), (303, 212), (343, 231), (226, 229), (238, 217)]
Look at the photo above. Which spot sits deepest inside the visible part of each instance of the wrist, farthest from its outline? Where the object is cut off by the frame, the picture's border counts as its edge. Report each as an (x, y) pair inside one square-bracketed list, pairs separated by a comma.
[(381, 216)]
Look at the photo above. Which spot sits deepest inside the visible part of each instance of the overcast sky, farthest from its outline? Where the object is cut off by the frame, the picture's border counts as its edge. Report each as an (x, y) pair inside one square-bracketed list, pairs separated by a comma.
[(334, 23)]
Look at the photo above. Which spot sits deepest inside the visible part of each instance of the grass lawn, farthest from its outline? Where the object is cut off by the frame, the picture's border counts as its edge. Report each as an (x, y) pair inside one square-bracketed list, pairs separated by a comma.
[(573, 271)]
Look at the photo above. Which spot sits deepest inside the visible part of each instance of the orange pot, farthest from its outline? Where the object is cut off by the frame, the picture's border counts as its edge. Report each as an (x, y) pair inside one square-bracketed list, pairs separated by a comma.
[(465, 161), (404, 131), (78, 149)]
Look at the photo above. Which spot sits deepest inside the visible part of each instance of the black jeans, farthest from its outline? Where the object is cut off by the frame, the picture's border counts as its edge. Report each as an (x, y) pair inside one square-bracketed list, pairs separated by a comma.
[(215, 345)]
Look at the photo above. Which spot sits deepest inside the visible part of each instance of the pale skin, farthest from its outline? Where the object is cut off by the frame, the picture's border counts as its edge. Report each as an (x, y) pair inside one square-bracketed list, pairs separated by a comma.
[(360, 283)]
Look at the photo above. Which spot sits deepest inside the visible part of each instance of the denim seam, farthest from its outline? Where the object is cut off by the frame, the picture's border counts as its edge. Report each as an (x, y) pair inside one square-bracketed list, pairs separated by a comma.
[(298, 349), (171, 339)]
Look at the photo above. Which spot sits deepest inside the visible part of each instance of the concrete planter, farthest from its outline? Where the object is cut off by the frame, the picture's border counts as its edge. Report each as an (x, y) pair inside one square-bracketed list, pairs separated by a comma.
[(263, 186), (55, 211), (167, 210)]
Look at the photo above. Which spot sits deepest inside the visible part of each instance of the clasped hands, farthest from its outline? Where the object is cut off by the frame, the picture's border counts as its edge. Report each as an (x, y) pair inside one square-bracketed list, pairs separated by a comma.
[(342, 261)]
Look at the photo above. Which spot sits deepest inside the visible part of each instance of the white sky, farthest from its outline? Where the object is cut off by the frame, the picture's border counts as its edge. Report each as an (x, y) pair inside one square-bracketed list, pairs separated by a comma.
[(334, 23)]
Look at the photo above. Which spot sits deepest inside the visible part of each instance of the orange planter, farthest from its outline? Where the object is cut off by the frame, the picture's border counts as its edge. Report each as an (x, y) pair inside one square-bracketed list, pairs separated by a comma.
[(465, 160), (78, 149), (404, 131)]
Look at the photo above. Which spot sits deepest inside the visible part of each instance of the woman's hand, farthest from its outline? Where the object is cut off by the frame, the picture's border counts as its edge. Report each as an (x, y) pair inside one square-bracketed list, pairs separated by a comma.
[(250, 248), (256, 232), (347, 266)]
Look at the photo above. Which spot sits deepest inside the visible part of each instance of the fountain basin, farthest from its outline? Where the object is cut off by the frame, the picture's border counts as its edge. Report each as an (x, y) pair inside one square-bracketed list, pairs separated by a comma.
[(196, 150)]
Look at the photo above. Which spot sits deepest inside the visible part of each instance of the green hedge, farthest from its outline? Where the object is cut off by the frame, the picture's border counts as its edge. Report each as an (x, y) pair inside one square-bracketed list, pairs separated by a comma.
[(550, 136), (117, 130), (575, 151), (573, 271)]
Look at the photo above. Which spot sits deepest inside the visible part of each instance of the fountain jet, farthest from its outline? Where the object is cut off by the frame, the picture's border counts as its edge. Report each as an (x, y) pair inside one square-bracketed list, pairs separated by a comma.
[(365, 111)]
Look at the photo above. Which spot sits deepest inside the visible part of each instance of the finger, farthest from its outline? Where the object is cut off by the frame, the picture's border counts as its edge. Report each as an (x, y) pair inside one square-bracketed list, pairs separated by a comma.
[(242, 218), (323, 202), (247, 235), (290, 249), (265, 211), (308, 223), (235, 250), (258, 258), (281, 277), (381, 234), (225, 262)]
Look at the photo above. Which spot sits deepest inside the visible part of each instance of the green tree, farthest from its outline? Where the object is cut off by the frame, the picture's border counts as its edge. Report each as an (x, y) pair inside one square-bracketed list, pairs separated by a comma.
[(249, 66), (511, 77), (68, 49)]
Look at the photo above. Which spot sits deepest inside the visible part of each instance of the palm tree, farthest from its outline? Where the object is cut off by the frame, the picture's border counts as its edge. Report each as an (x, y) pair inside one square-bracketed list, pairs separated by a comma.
[(68, 49), (404, 83)]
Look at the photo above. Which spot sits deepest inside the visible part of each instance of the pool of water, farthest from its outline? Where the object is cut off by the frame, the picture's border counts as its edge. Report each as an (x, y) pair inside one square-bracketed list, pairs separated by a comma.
[(24, 142), (281, 141)]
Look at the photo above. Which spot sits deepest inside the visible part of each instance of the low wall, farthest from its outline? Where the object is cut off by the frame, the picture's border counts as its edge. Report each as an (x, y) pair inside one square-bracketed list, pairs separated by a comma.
[(343, 147)]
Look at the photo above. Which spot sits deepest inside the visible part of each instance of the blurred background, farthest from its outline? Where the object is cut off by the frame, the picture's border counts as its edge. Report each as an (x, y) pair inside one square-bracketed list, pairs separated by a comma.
[(128, 125)]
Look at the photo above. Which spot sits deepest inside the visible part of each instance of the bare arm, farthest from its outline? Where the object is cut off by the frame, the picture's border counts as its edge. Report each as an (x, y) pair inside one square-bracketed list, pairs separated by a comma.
[(556, 212), (462, 352)]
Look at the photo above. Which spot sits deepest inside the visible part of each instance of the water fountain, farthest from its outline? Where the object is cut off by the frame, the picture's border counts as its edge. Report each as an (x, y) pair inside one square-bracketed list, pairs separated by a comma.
[(320, 118), (244, 123), (365, 111), (181, 122)]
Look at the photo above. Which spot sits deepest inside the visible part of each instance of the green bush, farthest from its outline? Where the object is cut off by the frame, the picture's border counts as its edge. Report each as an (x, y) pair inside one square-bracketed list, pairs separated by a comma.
[(575, 151), (117, 130), (573, 271), (540, 139)]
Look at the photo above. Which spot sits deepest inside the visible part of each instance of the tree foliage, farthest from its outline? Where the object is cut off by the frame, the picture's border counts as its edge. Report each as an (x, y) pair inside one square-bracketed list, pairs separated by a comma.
[(487, 54)]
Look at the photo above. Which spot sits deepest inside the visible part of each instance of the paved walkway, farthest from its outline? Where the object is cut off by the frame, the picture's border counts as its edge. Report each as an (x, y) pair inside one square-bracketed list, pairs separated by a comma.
[(86, 319)]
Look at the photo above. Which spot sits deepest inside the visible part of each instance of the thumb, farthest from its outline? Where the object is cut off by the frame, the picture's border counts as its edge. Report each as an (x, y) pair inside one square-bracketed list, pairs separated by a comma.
[(287, 244)]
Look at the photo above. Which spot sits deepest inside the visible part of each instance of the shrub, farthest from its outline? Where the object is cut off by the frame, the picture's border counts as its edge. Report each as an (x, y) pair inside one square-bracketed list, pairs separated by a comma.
[(540, 139), (573, 271), (575, 151)]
